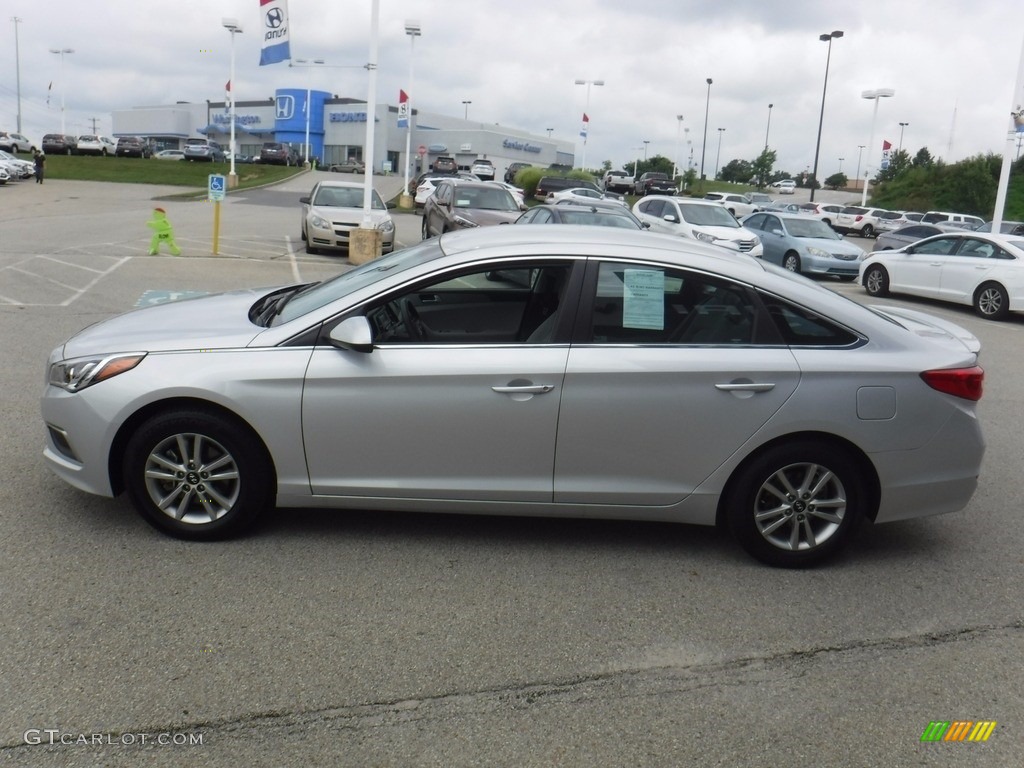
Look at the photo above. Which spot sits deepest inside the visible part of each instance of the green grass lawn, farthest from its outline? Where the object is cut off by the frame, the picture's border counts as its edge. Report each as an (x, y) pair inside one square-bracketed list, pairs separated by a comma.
[(134, 170)]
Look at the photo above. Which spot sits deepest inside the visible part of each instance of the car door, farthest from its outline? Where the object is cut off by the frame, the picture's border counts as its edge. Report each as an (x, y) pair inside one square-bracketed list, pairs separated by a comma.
[(467, 410), (918, 269), (965, 269), (772, 234), (667, 377)]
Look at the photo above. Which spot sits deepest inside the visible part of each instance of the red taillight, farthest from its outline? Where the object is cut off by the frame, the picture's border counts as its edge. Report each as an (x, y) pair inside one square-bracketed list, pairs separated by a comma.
[(959, 382), (858, 218)]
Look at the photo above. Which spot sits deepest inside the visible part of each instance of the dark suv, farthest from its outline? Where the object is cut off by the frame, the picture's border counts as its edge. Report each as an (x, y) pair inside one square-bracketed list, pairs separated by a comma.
[(444, 164), (59, 144), (276, 153), (513, 169), (133, 146)]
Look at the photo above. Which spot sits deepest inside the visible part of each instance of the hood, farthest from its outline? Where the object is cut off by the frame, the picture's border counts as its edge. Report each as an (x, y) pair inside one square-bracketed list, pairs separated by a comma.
[(832, 246), (947, 334), (206, 322)]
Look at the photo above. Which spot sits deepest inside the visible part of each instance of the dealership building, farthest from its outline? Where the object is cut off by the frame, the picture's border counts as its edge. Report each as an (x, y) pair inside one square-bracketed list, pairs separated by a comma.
[(337, 132)]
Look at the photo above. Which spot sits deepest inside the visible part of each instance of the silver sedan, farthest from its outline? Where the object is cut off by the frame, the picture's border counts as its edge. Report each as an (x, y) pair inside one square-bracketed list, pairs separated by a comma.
[(552, 371)]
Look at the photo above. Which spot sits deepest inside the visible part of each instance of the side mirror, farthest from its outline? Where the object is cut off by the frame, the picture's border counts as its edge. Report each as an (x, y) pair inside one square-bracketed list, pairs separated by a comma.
[(304, 199), (672, 218), (391, 205), (353, 333)]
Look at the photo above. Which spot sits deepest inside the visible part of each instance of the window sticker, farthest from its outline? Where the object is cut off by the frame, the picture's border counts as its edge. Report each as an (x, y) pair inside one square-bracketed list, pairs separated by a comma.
[(643, 303)]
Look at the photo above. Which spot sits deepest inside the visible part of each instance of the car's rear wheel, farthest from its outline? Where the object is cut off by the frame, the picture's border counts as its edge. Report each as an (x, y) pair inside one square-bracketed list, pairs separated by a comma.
[(992, 302), (876, 281), (197, 475), (791, 261), (796, 504)]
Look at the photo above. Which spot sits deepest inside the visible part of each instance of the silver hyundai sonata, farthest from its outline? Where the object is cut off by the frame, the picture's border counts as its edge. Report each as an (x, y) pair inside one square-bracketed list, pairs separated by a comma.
[(546, 370)]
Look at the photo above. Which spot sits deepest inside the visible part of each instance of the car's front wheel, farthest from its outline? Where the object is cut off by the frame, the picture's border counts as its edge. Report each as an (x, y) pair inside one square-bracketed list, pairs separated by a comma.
[(876, 281), (992, 302), (868, 231), (791, 261), (197, 475), (796, 504)]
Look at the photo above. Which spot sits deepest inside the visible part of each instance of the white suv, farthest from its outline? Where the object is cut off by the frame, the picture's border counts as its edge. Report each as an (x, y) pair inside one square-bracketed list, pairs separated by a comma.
[(701, 220), (15, 142), (738, 205), (483, 169)]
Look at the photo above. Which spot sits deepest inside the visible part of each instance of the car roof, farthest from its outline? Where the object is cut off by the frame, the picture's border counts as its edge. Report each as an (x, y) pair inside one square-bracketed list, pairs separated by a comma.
[(339, 184)]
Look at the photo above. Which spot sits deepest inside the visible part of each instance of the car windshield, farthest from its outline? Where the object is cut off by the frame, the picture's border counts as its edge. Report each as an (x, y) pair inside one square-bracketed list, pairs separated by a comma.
[(485, 199), (708, 216), (356, 279), (345, 197), (811, 228)]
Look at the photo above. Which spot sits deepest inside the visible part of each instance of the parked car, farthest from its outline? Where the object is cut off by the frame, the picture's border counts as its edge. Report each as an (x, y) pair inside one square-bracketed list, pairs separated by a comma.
[(583, 214), (351, 166), (413, 383), (333, 209), (461, 204), (429, 183), (4, 176), (984, 271), (865, 222), (654, 183), (133, 146), (277, 153), (825, 212), (513, 169), (785, 186), (92, 144), (59, 144), (444, 164), (15, 142), (204, 150), (584, 194), (800, 243), (759, 198), (549, 184), (965, 219), (1006, 227), (170, 154), (16, 167), (700, 220), (888, 241), (483, 169), (617, 181), (738, 205), (519, 195)]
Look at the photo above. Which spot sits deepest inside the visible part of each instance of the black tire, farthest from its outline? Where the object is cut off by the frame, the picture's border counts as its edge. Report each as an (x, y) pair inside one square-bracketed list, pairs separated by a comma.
[(991, 301), (68, 151), (312, 250), (791, 261), (209, 506), (868, 231), (796, 504), (424, 230), (876, 281)]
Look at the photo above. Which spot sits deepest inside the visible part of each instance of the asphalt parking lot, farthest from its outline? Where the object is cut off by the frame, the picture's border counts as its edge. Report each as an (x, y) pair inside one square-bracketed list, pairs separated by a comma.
[(359, 638)]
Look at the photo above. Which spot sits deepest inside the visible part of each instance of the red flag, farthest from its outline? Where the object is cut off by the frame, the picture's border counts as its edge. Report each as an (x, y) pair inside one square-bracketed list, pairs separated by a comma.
[(886, 145), (585, 118), (402, 96), (227, 87)]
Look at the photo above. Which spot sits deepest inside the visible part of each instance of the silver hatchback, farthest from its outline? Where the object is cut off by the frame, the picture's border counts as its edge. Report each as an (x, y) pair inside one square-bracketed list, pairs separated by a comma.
[(551, 371)]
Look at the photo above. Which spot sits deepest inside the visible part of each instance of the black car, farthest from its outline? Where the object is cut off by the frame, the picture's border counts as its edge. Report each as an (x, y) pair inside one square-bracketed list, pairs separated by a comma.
[(133, 146), (59, 144), (276, 153), (512, 170), (582, 213)]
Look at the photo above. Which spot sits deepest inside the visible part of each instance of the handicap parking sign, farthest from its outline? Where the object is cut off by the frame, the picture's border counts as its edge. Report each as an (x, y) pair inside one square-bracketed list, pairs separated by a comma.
[(217, 187)]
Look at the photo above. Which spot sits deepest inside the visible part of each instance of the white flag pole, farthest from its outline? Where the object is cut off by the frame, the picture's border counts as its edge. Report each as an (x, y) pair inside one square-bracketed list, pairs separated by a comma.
[(1016, 125)]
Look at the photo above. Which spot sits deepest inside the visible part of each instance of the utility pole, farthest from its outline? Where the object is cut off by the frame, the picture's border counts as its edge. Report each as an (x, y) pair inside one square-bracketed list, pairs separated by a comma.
[(17, 67), (94, 120)]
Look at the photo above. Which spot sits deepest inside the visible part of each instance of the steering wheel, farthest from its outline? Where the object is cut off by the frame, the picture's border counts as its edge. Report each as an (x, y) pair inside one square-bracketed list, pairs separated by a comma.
[(414, 325)]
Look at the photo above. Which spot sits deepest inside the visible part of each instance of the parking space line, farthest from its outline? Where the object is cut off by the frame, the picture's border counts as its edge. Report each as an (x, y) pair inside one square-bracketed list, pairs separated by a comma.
[(291, 259), (67, 302), (67, 263)]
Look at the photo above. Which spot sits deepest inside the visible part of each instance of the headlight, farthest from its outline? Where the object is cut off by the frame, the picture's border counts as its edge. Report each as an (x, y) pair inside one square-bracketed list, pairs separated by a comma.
[(818, 253), (464, 222), (757, 241), (319, 223), (704, 237), (75, 375), (386, 226)]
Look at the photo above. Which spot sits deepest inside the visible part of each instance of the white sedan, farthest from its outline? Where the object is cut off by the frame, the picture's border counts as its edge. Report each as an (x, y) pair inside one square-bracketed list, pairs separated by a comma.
[(785, 186), (583, 194), (984, 271)]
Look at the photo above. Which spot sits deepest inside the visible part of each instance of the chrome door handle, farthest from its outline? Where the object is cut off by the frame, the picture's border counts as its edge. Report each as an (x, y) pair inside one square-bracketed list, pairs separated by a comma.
[(751, 387), (532, 389)]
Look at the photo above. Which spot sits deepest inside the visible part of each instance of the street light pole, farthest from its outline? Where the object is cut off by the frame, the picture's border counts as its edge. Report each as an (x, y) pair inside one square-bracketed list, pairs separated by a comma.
[(465, 104), (860, 151), (646, 142), (703, 148), (233, 27), (902, 126), (412, 29), (17, 67), (586, 110), (718, 156), (876, 95), (841, 164), (675, 162), (62, 51), (768, 128), (830, 36)]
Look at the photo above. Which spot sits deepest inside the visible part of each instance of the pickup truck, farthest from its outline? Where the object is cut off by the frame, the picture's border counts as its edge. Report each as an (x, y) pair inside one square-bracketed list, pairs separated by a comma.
[(617, 181), (654, 183)]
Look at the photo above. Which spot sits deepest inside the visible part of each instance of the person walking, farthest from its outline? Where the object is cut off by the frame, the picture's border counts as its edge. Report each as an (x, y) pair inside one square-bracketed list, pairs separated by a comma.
[(40, 160)]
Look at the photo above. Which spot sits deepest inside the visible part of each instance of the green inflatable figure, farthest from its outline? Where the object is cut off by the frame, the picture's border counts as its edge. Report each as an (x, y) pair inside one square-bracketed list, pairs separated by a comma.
[(163, 232)]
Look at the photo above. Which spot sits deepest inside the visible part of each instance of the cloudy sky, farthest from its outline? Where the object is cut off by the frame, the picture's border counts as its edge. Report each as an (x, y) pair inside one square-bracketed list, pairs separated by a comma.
[(952, 63)]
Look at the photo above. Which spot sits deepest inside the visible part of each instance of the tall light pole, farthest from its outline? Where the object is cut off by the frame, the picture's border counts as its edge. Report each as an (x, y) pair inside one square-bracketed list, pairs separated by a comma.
[(232, 26), (586, 110), (17, 67), (308, 64), (769, 127), (61, 52), (902, 126), (841, 164), (718, 156), (675, 162), (829, 37), (646, 142), (465, 105), (703, 148), (412, 29), (550, 131), (876, 95), (860, 151)]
